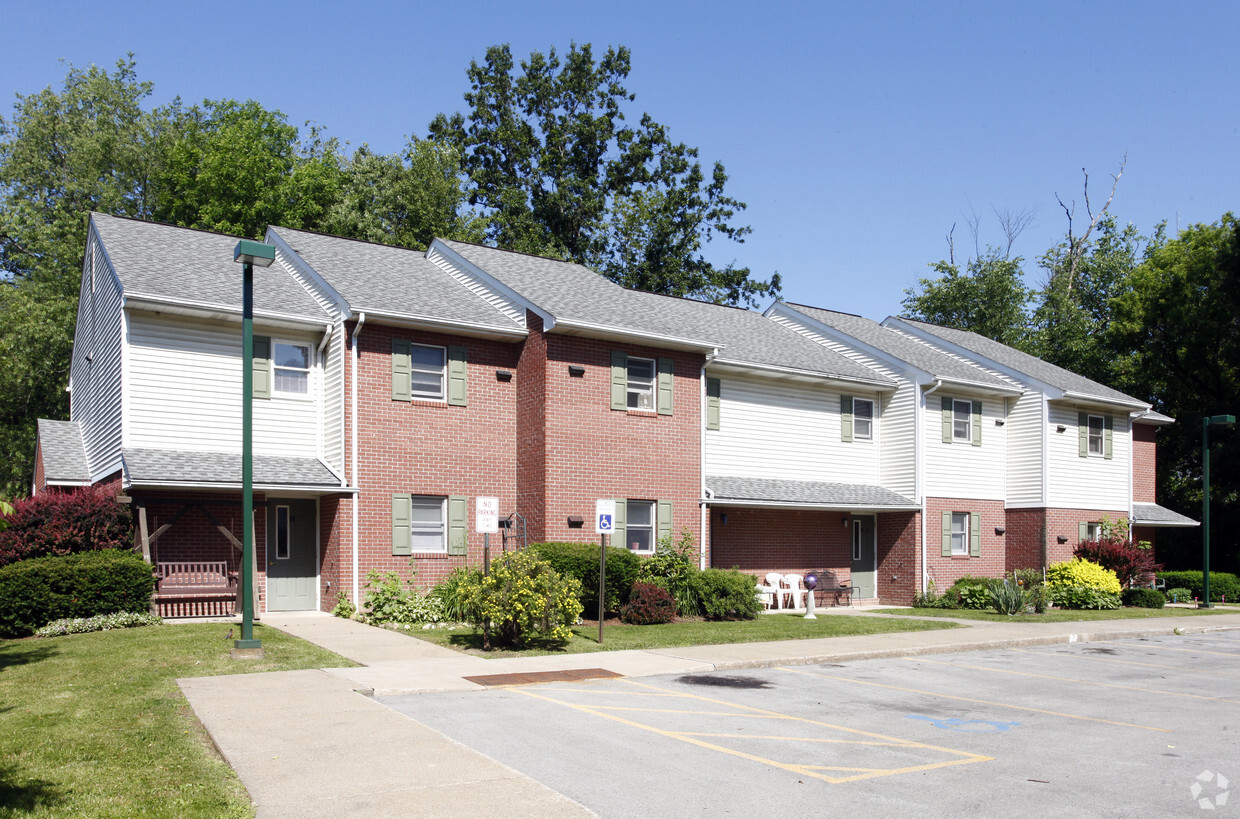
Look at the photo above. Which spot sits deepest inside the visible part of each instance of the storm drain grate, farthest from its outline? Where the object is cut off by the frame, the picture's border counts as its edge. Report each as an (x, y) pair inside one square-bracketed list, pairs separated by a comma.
[(530, 677)]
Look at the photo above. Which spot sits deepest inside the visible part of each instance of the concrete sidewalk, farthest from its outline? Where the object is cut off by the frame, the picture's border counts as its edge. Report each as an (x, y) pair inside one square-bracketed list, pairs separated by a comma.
[(314, 743)]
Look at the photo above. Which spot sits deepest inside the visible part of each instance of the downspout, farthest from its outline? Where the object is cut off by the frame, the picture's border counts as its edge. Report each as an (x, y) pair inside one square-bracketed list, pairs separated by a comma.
[(703, 514), (920, 466), (357, 497)]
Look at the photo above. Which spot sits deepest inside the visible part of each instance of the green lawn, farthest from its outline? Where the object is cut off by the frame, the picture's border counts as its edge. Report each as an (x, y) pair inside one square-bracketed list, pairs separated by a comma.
[(1056, 615), (95, 725), (618, 636)]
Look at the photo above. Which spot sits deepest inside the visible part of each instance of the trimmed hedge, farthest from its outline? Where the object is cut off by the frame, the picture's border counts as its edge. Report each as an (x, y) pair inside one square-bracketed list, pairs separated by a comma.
[(1144, 598), (36, 592), (727, 594), (1221, 584), (580, 560), (61, 523)]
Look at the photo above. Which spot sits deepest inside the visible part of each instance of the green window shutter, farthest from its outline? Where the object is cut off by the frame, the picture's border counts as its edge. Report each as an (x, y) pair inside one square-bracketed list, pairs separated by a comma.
[(458, 510), (663, 519), (402, 533), (617, 536), (1082, 429), (665, 384), (458, 377), (261, 366), (846, 418), (402, 371), (947, 534), (977, 423), (1108, 431), (975, 535), (712, 403), (1082, 531), (947, 420), (619, 381)]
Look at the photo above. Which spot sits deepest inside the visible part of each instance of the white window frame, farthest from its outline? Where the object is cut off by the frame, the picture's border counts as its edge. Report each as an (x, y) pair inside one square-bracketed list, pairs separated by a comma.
[(1099, 438), (867, 420), (856, 539), (967, 406), (277, 368), (286, 531), (424, 528), (630, 527), (439, 394), (961, 536), (641, 390), (1093, 530)]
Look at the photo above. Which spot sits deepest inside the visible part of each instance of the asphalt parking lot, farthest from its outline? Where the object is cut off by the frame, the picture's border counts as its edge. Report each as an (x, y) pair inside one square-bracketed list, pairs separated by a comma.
[(1141, 726)]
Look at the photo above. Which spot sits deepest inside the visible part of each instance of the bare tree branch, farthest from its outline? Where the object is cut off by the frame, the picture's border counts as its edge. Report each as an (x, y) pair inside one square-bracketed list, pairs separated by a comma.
[(1076, 247), (1013, 224), (951, 246)]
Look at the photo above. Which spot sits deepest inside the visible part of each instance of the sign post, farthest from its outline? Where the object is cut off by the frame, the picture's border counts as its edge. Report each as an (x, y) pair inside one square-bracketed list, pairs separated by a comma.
[(486, 520), (604, 525)]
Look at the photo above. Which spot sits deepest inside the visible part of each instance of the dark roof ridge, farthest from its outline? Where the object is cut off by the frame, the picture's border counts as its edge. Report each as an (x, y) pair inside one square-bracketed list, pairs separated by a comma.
[(826, 310), (166, 224), (370, 242)]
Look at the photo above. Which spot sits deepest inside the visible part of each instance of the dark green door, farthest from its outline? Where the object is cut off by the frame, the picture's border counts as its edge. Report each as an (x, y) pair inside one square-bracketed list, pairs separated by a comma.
[(292, 577), (864, 574)]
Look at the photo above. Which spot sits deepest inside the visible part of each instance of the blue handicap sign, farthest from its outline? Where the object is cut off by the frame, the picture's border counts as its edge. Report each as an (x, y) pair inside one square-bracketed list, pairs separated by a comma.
[(604, 523)]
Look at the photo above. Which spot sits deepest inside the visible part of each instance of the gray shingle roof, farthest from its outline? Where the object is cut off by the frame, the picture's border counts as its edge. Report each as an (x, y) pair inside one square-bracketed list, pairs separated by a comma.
[(819, 493), (64, 457), (574, 294), (1151, 514), (161, 466), (392, 280), (194, 266), (917, 353), (1021, 362)]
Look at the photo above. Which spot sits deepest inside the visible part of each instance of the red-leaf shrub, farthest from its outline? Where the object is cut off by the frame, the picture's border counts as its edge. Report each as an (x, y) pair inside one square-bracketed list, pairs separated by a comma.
[(86, 520), (1129, 561), (648, 605)]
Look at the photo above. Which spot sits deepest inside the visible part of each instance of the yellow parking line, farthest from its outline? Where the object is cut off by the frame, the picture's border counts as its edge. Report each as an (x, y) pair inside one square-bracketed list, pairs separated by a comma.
[(1177, 668), (974, 700), (1162, 647), (900, 744), (1158, 691)]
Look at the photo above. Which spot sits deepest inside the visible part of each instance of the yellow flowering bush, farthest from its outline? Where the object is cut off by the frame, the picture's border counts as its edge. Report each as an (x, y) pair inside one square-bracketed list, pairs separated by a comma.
[(1081, 572), (523, 596)]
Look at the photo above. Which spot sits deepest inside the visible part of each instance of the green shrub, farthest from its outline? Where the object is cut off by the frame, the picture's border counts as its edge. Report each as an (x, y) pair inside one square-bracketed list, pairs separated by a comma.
[(1084, 597), (388, 601), (727, 594), (580, 560), (1008, 598), (1144, 598), (100, 622), (1128, 560), (673, 567), (1222, 584), (61, 523), (648, 605), (343, 607), (970, 592), (36, 592), (1180, 595), (448, 593), (1081, 572), (522, 597)]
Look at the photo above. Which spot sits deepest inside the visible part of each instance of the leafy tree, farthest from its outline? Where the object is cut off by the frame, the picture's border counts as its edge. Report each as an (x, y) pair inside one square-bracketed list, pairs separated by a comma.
[(554, 164), (990, 298)]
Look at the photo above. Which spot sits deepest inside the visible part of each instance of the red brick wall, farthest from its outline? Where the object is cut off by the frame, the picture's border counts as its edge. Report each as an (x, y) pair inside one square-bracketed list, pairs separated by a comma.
[(1033, 534), (1144, 461), (531, 440), (335, 550), (780, 540), (1026, 538), (947, 570), (40, 482), (899, 559), (429, 448)]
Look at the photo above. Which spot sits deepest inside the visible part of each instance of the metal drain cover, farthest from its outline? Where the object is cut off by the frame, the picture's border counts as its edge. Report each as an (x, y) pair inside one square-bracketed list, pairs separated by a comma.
[(530, 677)]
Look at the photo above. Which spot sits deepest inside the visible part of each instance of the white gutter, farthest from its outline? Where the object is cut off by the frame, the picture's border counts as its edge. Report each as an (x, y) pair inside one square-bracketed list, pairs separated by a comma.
[(842, 507), (357, 329), (567, 325), (327, 334), (146, 301), (703, 517), (315, 488), (451, 326), (919, 465), (885, 385)]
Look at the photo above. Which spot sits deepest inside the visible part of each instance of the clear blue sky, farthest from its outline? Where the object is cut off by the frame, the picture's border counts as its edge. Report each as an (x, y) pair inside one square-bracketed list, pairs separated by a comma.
[(858, 133)]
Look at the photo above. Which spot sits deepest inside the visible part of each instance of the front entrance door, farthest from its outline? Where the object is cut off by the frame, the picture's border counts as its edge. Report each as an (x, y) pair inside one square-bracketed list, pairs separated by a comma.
[(864, 574), (292, 577)]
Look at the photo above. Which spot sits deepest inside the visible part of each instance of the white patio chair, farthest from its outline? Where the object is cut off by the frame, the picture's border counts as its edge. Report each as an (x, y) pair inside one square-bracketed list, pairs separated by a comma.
[(776, 580), (767, 595), (795, 590)]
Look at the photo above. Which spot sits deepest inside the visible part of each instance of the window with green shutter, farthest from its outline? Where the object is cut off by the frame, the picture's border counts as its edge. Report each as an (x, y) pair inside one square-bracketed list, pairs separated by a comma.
[(1108, 433), (975, 535), (946, 532), (402, 536), (961, 534), (620, 531), (712, 403), (619, 380), (948, 420), (261, 366), (458, 376), (665, 386), (977, 423), (664, 517), (458, 510), (402, 389)]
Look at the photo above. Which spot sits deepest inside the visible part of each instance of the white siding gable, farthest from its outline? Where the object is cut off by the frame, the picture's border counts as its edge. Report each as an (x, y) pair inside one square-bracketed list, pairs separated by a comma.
[(959, 469), (97, 365), (1094, 482), (1026, 429)]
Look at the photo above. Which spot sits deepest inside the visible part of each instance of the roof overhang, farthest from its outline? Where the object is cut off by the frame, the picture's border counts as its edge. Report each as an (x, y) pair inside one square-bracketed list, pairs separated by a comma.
[(1083, 399), (439, 325), (1151, 514), (569, 327), (221, 312), (825, 507), (974, 386), (796, 374)]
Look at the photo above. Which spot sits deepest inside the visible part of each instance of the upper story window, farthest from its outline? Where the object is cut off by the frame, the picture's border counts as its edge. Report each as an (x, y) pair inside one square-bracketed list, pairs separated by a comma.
[(962, 421), (1097, 435), (426, 366), (292, 367), (641, 383), (863, 418)]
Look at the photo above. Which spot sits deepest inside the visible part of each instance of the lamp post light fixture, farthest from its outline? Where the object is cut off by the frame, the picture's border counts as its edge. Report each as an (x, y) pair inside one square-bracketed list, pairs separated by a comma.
[(248, 253), (1207, 422)]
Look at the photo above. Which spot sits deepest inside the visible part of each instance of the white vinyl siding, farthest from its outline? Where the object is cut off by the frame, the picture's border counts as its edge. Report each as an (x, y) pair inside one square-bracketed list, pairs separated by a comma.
[(959, 469), (1087, 483), (97, 363), (333, 401), (774, 428), (185, 391), (1025, 430)]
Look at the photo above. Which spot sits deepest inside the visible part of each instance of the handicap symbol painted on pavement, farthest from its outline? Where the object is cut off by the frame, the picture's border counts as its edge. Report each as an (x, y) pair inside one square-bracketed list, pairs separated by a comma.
[(968, 726)]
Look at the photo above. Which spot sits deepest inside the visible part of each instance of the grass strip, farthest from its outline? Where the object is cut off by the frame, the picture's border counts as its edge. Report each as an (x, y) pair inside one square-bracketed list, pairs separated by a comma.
[(1055, 615)]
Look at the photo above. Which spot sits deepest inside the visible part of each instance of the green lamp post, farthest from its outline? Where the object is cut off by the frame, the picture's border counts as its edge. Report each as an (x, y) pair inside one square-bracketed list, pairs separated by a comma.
[(1207, 422), (249, 253)]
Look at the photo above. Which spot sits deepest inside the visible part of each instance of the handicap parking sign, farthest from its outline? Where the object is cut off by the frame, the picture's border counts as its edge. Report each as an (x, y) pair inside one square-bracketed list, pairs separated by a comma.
[(604, 516)]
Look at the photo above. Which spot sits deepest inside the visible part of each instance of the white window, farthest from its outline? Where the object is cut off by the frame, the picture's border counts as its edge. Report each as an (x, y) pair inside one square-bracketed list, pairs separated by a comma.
[(426, 366), (960, 533), (426, 523), (292, 367), (282, 533), (1096, 435), (641, 383), (1093, 531), (639, 527), (962, 421), (863, 418)]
